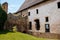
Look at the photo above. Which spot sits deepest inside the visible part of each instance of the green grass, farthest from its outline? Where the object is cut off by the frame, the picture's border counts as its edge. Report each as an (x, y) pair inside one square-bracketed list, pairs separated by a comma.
[(18, 36)]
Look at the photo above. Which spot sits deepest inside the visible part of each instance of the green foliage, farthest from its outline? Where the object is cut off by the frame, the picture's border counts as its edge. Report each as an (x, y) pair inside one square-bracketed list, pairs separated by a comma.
[(14, 29), (3, 18)]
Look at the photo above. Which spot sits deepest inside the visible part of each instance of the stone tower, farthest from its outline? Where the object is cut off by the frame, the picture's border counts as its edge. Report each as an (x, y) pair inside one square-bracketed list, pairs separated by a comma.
[(5, 6)]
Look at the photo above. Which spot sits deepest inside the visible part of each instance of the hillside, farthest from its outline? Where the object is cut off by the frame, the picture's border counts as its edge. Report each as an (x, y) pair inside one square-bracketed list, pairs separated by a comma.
[(18, 36)]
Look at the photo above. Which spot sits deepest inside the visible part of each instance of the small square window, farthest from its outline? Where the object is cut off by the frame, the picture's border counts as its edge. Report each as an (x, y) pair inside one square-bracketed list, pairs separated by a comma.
[(37, 11), (28, 13), (4, 7), (21, 13), (47, 19), (58, 4)]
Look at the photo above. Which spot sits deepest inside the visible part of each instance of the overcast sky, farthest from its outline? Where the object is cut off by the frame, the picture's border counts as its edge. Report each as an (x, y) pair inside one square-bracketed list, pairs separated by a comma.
[(13, 5)]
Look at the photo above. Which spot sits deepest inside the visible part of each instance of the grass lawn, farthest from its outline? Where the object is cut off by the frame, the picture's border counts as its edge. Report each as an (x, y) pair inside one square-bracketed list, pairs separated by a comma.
[(18, 36)]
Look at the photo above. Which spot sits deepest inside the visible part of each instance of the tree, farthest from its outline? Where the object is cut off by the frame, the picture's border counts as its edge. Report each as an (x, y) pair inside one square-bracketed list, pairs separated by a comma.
[(3, 18)]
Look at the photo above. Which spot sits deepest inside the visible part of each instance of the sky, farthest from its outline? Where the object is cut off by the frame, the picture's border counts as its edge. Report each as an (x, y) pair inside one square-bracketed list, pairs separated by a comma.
[(13, 5)]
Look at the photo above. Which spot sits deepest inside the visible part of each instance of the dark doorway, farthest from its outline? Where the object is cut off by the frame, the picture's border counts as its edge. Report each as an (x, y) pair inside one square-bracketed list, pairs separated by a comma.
[(30, 25), (37, 24), (47, 28)]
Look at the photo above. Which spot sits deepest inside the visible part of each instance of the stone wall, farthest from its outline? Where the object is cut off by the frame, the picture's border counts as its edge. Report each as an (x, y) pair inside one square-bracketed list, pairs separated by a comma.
[(45, 35), (18, 21)]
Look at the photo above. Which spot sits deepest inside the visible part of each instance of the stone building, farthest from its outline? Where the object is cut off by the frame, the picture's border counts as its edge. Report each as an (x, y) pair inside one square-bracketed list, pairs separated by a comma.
[(43, 16)]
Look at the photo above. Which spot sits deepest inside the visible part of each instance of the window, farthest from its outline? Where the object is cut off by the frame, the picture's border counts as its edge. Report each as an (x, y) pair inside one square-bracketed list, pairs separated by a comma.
[(58, 4), (30, 25), (37, 24), (47, 19), (23, 15), (4, 7), (47, 28), (28, 13), (37, 11)]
